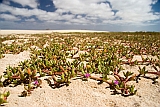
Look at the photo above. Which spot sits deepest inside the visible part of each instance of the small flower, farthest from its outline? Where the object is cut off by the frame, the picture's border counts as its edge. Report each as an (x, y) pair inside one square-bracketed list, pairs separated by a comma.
[(36, 82), (116, 82), (87, 75)]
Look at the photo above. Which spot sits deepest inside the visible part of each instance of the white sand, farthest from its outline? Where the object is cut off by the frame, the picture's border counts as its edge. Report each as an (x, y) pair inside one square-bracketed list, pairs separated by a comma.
[(42, 31)]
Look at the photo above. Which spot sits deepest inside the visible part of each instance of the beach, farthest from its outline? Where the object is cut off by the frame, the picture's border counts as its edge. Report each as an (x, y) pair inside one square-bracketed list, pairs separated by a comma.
[(79, 93), (43, 31)]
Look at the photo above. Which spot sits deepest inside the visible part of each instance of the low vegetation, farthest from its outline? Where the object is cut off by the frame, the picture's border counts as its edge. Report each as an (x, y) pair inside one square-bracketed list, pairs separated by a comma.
[(62, 56)]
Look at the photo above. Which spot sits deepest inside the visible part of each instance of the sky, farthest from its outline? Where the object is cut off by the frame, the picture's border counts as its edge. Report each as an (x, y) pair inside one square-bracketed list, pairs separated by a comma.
[(104, 15)]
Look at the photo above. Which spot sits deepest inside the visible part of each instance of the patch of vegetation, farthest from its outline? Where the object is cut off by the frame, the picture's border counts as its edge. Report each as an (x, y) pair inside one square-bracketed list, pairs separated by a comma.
[(61, 57)]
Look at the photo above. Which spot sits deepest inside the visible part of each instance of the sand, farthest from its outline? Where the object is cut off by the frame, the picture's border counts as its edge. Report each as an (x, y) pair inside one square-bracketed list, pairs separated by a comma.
[(79, 93), (42, 31)]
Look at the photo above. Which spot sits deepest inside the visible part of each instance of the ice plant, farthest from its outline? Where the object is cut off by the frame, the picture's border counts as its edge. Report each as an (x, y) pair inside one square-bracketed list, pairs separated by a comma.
[(103, 57), (3, 97)]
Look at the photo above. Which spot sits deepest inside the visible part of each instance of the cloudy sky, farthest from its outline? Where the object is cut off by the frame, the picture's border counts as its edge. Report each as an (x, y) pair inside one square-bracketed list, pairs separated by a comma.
[(109, 15)]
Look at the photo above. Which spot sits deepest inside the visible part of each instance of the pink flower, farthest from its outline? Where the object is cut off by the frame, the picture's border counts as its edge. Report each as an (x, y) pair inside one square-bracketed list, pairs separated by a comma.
[(116, 82), (87, 75), (36, 82)]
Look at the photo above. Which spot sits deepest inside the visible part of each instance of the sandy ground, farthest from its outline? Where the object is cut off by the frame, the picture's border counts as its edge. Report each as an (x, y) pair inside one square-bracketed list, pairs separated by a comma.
[(42, 31), (79, 93)]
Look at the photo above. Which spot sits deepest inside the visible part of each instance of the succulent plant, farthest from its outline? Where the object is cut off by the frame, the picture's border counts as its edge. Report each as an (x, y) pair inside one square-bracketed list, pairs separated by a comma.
[(104, 54), (3, 97)]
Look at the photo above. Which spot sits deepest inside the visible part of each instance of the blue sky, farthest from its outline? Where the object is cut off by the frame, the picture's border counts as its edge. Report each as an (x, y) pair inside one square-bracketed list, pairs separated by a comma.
[(108, 15)]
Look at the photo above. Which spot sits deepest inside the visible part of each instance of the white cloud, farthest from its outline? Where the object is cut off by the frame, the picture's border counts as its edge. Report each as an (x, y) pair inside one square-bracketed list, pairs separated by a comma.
[(21, 11), (9, 17), (30, 20), (40, 14), (30, 3), (90, 10), (129, 11), (134, 11), (90, 7)]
